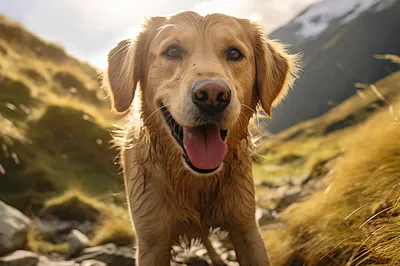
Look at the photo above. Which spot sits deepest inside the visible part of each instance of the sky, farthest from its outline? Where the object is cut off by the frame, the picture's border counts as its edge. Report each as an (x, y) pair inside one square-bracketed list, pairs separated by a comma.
[(88, 29)]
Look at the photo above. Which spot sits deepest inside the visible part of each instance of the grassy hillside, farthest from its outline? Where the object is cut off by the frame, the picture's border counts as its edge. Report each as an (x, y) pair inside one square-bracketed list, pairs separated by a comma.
[(353, 219), (295, 151), (54, 123), (56, 160)]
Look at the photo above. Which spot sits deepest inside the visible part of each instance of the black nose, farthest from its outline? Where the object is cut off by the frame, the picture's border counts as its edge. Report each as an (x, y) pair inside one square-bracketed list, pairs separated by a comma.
[(211, 96)]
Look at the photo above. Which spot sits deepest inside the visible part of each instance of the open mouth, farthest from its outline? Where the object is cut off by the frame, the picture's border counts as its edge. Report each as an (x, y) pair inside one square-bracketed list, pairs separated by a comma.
[(204, 146)]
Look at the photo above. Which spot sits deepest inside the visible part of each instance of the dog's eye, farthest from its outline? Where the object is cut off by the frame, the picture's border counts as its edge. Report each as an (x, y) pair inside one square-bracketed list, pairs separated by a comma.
[(173, 53), (234, 54)]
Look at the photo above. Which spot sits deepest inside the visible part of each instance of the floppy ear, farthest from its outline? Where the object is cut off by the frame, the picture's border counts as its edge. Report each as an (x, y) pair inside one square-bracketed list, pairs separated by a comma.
[(127, 65), (276, 70)]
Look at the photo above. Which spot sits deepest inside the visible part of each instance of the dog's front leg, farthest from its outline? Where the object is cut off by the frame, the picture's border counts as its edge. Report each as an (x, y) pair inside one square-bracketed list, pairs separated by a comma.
[(153, 237), (154, 249), (249, 245), (153, 226)]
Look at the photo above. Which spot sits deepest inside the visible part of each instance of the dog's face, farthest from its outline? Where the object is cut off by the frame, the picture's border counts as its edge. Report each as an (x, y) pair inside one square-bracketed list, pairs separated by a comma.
[(201, 74)]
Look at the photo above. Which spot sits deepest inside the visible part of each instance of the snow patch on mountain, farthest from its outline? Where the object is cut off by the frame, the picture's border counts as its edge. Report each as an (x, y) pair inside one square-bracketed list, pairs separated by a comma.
[(318, 17)]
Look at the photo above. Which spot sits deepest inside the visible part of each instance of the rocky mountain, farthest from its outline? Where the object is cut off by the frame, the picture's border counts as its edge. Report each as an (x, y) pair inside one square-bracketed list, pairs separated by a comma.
[(339, 40)]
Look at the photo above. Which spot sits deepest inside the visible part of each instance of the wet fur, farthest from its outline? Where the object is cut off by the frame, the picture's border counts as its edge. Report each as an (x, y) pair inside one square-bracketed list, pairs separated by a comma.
[(166, 199)]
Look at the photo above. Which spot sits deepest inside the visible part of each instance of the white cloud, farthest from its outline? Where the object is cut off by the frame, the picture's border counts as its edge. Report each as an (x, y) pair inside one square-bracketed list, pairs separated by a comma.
[(272, 13), (89, 28)]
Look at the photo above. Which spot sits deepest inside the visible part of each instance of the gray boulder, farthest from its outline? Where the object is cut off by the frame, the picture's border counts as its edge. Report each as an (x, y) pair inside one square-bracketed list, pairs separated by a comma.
[(93, 263), (19, 258), (77, 241), (109, 254), (264, 216), (13, 229)]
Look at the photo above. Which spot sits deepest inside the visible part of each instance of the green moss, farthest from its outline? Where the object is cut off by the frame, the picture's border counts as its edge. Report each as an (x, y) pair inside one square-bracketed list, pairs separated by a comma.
[(115, 227), (66, 148), (34, 74), (73, 205), (51, 139), (67, 79), (72, 84), (41, 244), (14, 94)]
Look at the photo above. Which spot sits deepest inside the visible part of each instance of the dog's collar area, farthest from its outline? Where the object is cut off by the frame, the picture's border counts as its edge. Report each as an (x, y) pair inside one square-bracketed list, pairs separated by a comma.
[(177, 133)]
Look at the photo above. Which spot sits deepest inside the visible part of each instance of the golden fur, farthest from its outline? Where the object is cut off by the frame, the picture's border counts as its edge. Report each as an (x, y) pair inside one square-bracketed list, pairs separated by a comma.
[(168, 200)]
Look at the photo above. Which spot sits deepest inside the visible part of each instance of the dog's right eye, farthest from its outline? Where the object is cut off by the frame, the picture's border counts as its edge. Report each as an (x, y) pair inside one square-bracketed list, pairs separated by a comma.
[(174, 53)]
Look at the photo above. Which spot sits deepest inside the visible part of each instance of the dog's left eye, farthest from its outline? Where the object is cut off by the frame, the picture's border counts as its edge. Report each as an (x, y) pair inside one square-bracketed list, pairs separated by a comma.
[(234, 54), (173, 53)]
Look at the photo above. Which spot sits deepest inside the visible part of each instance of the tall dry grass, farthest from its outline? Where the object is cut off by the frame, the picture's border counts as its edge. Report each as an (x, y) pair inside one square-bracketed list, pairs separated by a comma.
[(355, 220)]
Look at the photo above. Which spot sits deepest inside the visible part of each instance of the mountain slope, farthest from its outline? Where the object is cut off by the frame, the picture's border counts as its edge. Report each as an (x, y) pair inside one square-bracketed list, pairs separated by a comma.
[(54, 123), (316, 18), (295, 151), (335, 59)]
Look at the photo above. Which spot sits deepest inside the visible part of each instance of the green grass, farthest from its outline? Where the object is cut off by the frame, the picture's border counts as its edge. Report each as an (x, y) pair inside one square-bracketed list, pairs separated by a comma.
[(115, 227), (52, 138), (41, 244), (324, 137), (73, 205), (66, 148), (56, 159), (355, 220), (111, 222)]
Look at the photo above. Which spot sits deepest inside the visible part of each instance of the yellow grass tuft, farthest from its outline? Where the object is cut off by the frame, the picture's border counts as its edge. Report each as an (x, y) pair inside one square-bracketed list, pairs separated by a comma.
[(73, 205), (355, 220), (115, 227), (37, 242)]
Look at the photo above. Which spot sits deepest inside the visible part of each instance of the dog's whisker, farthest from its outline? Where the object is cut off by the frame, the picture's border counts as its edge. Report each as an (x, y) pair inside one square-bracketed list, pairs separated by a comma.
[(153, 113), (199, 119), (251, 109)]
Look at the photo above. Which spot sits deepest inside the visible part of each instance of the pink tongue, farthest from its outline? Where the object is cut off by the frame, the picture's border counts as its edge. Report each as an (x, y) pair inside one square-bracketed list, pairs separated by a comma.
[(204, 146)]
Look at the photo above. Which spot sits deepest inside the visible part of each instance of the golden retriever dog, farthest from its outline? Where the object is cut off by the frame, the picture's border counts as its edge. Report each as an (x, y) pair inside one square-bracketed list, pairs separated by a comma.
[(189, 170)]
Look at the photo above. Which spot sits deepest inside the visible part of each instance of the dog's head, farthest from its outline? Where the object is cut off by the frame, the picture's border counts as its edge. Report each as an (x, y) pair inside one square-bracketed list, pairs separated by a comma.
[(203, 76)]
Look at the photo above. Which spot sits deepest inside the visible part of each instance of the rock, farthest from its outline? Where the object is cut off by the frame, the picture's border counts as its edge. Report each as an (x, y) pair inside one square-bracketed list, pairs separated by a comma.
[(46, 262), (19, 258), (268, 184), (231, 255), (77, 241), (216, 244), (109, 254), (264, 216), (179, 258), (93, 263), (177, 264), (279, 199), (200, 252), (60, 228), (305, 180), (196, 261), (13, 229), (319, 181), (290, 196)]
